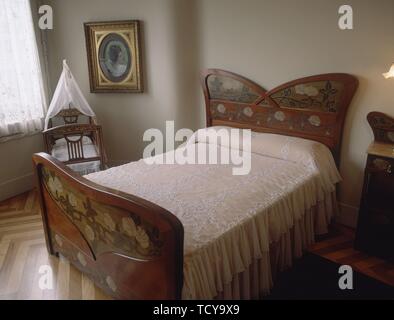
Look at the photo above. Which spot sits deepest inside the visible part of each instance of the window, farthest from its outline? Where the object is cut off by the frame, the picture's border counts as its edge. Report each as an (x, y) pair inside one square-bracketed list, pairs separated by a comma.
[(21, 87)]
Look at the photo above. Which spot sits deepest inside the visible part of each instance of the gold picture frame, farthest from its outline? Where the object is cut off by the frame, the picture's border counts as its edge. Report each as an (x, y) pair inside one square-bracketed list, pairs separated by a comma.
[(114, 56)]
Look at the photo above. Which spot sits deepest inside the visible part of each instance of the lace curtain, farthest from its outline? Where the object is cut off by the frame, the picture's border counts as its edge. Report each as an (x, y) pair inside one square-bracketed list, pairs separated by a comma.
[(22, 98)]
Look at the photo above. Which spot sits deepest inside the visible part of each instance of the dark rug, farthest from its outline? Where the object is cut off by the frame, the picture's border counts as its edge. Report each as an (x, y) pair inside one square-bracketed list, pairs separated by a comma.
[(313, 277)]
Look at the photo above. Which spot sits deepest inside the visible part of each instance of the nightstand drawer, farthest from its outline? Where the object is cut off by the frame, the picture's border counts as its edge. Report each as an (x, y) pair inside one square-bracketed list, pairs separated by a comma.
[(380, 164)]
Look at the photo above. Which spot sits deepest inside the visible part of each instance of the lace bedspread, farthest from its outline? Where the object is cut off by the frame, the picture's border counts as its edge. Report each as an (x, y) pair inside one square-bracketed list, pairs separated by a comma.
[(229, 220)]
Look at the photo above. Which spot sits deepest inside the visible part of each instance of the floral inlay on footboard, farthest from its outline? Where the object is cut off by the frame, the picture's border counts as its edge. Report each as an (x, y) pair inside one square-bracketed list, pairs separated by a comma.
[(106, 228), (83, 262)]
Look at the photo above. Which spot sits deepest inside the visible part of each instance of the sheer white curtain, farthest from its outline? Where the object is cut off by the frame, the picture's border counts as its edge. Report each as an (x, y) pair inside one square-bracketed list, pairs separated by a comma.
[(22, 98)]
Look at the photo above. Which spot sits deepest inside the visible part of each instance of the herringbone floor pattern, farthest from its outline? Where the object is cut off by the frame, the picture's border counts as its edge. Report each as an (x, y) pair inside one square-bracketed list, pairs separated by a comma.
[(23, 253)]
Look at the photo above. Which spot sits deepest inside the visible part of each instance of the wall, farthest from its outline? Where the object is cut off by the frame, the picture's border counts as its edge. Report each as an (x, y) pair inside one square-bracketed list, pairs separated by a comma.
[(16, 168), (272, 42)]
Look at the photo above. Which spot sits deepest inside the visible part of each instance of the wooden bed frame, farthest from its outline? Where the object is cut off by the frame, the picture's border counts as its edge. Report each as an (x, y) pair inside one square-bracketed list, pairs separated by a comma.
[(133, 249), (312, 108)]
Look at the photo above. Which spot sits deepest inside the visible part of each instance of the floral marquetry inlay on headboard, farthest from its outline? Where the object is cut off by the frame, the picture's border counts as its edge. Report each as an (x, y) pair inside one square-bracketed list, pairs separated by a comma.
[(312, 107), (106, 228), (322, 96)]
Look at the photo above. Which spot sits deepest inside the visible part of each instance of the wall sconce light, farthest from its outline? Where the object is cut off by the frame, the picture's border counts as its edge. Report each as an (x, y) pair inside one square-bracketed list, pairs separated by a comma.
[(389, 74)]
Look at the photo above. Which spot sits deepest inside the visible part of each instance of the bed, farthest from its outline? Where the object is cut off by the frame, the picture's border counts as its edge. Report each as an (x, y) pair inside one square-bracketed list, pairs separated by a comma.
[(175, 231), (78, 145)]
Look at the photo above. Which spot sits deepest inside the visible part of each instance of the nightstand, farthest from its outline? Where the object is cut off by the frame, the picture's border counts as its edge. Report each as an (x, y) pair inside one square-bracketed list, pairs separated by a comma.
[(375, 229)]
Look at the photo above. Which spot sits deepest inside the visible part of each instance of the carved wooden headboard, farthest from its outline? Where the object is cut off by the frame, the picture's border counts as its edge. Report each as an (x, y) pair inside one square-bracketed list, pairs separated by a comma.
[(312, 108)]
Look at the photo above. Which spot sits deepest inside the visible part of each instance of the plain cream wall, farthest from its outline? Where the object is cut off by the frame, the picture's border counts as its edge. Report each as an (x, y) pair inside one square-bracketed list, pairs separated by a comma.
[(274, 41), (16, 167)]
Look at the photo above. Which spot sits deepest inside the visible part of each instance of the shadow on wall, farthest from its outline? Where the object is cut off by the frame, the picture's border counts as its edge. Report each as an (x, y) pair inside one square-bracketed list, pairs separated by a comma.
[(143, 55)]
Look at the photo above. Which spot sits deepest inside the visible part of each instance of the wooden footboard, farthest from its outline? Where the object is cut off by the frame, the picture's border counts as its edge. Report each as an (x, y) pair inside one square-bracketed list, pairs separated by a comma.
[(130, 247)]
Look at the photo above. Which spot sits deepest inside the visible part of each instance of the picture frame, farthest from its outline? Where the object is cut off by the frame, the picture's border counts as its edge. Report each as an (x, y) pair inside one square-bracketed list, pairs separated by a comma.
[(114, 56)]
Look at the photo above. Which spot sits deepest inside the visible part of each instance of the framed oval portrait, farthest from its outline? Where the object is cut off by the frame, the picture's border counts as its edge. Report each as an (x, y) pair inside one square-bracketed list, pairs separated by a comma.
[(114, 57)]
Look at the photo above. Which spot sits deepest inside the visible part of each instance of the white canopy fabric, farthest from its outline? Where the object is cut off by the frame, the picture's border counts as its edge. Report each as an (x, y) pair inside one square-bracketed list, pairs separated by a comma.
[(67, 94)]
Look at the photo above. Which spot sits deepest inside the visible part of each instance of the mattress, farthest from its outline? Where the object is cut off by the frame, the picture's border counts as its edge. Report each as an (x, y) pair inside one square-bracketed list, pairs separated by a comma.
[(60, 152), (231, 220)]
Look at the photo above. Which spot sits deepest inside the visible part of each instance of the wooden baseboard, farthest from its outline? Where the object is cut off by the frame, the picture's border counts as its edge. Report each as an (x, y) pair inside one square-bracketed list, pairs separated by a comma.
[(16, 186)]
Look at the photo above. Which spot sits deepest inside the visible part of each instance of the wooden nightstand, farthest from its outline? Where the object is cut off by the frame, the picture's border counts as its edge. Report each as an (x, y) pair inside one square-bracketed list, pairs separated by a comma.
[(375, 230)]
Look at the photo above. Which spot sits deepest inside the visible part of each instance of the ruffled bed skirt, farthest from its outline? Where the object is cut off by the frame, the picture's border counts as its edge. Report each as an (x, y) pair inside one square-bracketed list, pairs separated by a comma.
[(254, 280)]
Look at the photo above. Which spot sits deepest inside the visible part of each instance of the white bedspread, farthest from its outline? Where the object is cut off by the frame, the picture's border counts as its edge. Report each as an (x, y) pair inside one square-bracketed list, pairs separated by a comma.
[(231, 220)]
